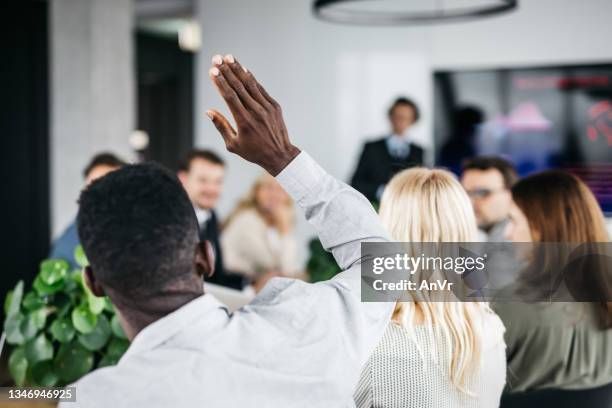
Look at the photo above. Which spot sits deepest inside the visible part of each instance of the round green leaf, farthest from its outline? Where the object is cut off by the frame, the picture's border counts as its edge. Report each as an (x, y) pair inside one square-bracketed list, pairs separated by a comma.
[(116, 327), (18, 365), (39, 317), (12, 305), (98, 337), (29, 327), (44, 289), (53, 270), (7, 302), (31, 301), (108, 306), (73, 361), (108, 360), (79, 256), (62, 330), (83, 320), (96, 304), (77, 276), (12, 328), (117, 347), (43, 374), (38, 349)]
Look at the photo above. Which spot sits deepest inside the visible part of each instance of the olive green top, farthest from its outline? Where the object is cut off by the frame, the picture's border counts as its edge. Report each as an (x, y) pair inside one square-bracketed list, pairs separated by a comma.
[(555, 345)]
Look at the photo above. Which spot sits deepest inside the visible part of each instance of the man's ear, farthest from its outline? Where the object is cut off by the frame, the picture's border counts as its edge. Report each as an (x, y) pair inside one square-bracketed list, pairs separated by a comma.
[(204, 260), (91, 282)]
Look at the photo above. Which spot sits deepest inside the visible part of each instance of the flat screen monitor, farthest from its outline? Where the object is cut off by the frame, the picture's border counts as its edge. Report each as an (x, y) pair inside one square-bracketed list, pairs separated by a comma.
[(538, 118)]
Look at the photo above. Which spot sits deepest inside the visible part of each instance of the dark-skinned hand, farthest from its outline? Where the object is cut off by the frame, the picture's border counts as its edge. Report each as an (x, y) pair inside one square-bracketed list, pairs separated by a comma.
[(260, 135)]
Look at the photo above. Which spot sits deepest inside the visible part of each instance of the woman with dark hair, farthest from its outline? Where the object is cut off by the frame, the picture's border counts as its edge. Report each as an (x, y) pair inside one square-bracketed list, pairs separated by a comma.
[(556, 345)]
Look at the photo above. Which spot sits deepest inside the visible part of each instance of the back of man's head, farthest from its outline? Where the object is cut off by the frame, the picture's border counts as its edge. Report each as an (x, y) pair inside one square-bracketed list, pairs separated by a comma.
[(138, 229)]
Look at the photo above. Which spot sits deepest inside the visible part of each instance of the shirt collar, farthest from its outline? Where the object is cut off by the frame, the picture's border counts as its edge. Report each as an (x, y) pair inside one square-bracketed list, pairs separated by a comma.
[(202, 215), (166, 327), (404, 139)]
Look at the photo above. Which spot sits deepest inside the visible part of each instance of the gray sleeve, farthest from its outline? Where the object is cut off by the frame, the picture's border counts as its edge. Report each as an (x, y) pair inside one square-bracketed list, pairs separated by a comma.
[(342, 217)]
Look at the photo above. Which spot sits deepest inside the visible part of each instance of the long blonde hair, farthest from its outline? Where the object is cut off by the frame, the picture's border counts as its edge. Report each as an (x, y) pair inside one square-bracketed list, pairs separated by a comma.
[(249, 201), (423, 205)]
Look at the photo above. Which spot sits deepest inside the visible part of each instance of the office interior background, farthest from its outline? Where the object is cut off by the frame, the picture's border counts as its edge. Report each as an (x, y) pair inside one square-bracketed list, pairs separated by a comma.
[(131, 77), (84, 75)]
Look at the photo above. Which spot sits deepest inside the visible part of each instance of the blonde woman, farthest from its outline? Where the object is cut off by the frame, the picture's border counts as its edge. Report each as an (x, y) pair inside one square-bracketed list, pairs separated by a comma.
[(434, 354), (257, 239)]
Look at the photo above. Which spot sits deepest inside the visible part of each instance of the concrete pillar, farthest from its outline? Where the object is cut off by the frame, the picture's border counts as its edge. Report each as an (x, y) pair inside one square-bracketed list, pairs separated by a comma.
[(92, 93)]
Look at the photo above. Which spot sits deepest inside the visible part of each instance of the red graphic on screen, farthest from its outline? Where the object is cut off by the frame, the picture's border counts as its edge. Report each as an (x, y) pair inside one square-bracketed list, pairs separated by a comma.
[(601, 122)]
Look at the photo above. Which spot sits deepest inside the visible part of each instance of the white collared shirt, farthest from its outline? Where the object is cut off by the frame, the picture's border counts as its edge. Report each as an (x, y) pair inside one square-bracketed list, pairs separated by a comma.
[(398, 145), (295, 345), (202, 215)]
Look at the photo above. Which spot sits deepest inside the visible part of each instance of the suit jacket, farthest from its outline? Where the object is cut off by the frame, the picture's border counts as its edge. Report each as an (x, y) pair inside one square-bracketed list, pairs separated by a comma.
[(376, 166), (210, 232)]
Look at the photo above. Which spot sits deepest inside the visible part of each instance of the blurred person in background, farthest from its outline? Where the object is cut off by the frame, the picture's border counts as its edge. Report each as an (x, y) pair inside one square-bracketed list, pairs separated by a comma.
[(461, 143), (556, 345), (201, 173), (438, 353), (487, 181), (99, 166), (257, 238), (381, 159)]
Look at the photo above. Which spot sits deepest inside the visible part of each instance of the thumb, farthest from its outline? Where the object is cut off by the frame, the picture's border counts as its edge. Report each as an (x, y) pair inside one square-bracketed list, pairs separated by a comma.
[(223, 126)]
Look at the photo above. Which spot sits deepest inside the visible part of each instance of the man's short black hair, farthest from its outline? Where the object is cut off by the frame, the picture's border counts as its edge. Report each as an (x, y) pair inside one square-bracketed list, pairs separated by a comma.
[(203, 154), (402, 100), (138, 229), (103, 159), (483, 163)]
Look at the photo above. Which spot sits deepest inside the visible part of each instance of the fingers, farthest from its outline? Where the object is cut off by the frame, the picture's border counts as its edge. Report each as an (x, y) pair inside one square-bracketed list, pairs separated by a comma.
[(228, 94), (224, 127), (228, 69), (248, 80)]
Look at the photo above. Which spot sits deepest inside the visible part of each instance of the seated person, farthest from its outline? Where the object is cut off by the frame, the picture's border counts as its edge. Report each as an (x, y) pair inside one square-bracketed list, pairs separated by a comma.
[(382, 158), (438, 353), (202, 174), (295, 345), (555, 345), (63, 247), (488, 180), (257, 239)]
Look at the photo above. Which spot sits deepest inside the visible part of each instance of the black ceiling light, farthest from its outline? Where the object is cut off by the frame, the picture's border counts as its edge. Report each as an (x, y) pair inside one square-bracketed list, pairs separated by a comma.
[(387, 12)]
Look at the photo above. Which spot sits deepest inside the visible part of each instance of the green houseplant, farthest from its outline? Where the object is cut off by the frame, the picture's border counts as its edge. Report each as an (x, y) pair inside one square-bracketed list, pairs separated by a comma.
[(59, 331), (321, 264)]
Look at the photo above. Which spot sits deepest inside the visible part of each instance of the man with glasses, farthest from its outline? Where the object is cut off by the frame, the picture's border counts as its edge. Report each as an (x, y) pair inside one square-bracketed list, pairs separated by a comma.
[(487, 180)]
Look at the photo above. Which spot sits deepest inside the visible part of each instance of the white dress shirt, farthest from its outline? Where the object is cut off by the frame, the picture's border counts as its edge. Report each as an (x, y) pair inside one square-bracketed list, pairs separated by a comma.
[(295, 345), (398, 145), (202, 215)]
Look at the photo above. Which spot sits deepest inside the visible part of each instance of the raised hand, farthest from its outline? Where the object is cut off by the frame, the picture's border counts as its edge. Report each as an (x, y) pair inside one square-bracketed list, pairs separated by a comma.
[(260, 135)]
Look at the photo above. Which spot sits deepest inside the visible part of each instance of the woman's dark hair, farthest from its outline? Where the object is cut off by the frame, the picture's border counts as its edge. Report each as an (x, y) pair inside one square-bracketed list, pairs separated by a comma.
[(561, 209)]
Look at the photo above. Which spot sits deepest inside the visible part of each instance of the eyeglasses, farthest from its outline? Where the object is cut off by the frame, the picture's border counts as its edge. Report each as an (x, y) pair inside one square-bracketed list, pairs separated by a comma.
[(482, 192)]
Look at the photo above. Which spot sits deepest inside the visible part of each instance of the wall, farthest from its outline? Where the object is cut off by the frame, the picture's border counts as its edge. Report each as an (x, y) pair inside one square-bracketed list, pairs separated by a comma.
[(92, 95), (335, 82)]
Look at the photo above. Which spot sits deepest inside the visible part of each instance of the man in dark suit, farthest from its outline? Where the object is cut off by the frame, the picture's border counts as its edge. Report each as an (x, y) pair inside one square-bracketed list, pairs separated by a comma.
[(382, 158), (201, 172)]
